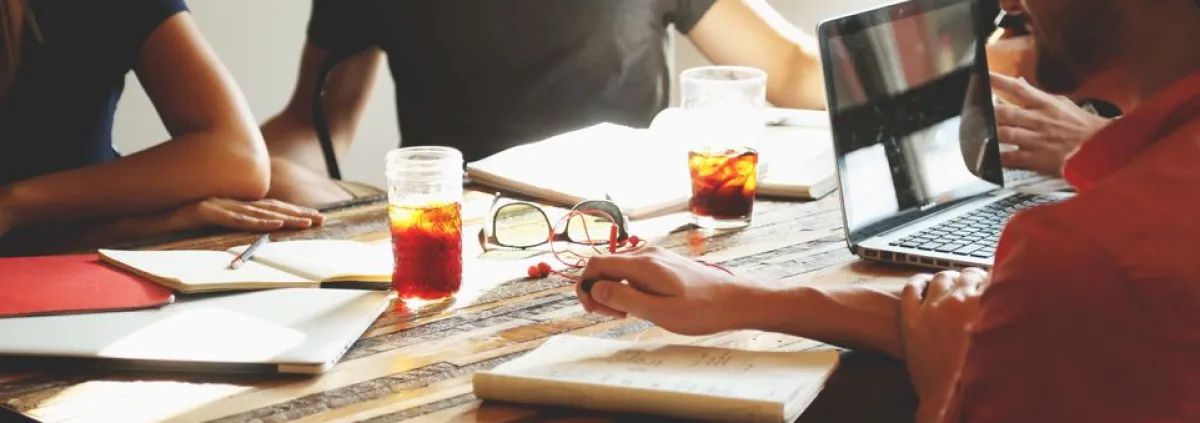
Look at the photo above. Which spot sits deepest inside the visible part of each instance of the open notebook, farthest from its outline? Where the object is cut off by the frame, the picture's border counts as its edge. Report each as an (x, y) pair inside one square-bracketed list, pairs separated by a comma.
[(286, 264), (681, 381), (645, 170)]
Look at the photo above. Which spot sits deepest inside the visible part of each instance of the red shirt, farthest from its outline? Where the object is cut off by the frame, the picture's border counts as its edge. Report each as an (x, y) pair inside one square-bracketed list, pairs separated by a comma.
[(1093, 311)]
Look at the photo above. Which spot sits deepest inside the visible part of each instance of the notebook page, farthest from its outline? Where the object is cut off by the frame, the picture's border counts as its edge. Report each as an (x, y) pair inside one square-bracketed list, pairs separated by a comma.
[(643, 174), (324, 260), (758, 376), (200, 270)]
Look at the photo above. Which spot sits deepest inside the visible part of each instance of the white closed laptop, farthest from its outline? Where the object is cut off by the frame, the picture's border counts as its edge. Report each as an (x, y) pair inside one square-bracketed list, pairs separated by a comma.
[(295, 330)]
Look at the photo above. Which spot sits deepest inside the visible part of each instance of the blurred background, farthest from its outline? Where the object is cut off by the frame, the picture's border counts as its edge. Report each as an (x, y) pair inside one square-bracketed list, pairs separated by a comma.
[(260, 42)]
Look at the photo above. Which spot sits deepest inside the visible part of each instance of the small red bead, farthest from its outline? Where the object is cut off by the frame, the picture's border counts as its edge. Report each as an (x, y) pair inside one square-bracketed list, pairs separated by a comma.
[(634, 240), (544, 268), (534, 272)]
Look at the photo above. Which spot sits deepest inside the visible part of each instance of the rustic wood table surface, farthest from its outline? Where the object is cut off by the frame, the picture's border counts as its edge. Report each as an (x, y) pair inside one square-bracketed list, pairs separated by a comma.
[(416, 366)]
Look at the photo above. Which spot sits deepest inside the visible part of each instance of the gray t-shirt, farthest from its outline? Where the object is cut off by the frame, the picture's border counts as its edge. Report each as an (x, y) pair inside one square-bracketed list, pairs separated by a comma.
[(486, 75)]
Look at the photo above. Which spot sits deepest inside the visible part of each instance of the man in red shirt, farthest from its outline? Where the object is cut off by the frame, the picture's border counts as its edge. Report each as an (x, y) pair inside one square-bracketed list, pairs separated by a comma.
[(1093, 311)]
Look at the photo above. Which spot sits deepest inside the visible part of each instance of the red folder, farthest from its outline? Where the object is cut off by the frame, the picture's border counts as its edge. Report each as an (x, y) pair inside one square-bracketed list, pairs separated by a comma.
[(31, 286)]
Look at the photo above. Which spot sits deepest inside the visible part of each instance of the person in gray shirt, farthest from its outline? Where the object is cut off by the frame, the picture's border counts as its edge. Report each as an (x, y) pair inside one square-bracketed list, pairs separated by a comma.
[(484, 76)]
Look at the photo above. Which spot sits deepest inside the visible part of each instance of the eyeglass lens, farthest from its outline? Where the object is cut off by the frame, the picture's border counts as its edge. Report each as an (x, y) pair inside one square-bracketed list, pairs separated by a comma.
[(593, 223), (521, 226)]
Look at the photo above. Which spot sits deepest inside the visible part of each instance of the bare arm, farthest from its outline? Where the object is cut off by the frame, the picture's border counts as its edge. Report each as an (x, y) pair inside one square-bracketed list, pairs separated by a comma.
[(751, 33), (215, 150), (858, 317), (291, 135), (689, 298)]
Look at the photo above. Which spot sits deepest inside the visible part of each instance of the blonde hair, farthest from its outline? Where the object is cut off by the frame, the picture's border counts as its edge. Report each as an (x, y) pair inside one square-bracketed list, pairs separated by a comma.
[(12, 24)]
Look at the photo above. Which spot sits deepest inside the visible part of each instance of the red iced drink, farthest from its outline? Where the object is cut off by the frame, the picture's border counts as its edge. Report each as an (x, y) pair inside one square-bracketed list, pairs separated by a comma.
[(427, 242), (724, 183)]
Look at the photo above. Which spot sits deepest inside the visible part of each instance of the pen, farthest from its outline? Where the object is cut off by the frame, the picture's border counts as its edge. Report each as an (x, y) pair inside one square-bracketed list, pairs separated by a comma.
[(241, 259)]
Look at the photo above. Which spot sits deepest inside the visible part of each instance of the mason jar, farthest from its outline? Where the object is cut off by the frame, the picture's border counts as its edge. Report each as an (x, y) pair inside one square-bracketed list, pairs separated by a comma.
[(425, 216)]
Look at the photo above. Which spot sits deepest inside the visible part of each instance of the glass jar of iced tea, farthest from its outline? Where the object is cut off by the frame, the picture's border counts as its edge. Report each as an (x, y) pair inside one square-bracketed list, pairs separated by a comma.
[(425, 214), (723, 117)]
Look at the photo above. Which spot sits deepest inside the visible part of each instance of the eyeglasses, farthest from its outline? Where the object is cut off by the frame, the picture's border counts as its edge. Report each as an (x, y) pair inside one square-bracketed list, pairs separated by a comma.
[(522, 224)]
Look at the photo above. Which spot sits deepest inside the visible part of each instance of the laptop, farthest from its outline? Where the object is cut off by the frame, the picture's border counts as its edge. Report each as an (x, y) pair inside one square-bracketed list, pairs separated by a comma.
[(299, 330), (914, 131)]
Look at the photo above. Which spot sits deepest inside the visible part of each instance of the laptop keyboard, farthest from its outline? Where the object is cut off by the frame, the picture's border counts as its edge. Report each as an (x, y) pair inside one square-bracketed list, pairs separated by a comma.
[(976, 233)]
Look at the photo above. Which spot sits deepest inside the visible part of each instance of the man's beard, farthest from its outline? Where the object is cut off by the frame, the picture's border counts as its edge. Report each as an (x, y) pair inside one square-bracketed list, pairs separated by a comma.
[(1055, 75), (1083, 50)]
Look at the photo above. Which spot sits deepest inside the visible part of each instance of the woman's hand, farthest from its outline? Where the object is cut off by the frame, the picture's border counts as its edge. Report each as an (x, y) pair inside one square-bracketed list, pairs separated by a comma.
[(250, 216)]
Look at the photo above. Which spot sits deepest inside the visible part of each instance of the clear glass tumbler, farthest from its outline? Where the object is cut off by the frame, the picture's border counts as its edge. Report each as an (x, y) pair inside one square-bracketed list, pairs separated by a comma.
[(425, 214), (724, 107)]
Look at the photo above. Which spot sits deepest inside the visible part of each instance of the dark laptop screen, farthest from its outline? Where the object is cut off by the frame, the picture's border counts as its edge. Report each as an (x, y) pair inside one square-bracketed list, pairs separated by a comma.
[(911, 110)]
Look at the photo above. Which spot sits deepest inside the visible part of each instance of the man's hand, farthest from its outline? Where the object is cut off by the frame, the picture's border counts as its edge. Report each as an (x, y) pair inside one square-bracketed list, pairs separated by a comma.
[(256, 216), (1046, 129), (937, 314), (669, 290)]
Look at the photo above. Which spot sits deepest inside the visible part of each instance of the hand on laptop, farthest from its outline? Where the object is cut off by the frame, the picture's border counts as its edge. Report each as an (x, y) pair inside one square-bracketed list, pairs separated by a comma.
[(1047, 129), (937, 312), (669, 290)]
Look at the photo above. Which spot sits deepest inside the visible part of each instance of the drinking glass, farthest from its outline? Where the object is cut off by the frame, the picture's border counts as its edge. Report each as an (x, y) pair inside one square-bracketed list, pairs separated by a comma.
[(425, 214), (724, 108)]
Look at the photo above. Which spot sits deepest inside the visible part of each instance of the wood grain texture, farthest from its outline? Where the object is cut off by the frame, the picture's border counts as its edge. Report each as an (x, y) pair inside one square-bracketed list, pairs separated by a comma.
[(416, 365)]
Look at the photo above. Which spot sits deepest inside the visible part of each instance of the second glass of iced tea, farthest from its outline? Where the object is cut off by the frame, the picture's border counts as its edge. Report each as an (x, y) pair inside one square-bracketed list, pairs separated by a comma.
[(425, 216), (724, 110)]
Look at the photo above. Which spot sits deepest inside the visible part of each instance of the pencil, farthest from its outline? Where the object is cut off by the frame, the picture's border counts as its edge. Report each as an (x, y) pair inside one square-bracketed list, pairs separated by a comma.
[(246, 255)]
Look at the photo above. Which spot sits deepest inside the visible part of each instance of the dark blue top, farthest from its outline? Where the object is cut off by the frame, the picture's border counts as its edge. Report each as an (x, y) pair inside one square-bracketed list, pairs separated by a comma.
[(59, 111)]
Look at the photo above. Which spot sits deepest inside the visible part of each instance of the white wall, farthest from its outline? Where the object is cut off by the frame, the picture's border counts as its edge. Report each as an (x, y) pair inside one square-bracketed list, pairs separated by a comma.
[(260, 42)]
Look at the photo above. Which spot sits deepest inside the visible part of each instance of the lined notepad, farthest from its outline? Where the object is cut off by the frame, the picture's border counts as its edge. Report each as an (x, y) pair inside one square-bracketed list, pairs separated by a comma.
[(683, 381)]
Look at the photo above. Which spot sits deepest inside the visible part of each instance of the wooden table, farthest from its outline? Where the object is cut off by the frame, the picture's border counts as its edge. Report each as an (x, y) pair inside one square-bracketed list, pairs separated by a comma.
[(416, 366)]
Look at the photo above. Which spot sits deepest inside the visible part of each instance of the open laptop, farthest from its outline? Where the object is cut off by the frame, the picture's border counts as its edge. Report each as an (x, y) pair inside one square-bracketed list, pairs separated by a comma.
[(914, 133), (300, 330)]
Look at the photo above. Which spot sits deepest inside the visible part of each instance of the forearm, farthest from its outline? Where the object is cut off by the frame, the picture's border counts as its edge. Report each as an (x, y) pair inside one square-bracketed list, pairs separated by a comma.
[(802, 85), (859, 317), (189, 168), (292, 134), (293, 138)]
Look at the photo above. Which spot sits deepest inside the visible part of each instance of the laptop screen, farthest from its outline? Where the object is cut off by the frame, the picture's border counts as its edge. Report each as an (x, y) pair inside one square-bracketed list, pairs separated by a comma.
[(911, 110)]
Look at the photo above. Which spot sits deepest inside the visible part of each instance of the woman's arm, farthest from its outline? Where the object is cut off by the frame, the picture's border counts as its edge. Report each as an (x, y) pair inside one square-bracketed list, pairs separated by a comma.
[(752, 33), (215, 150)]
